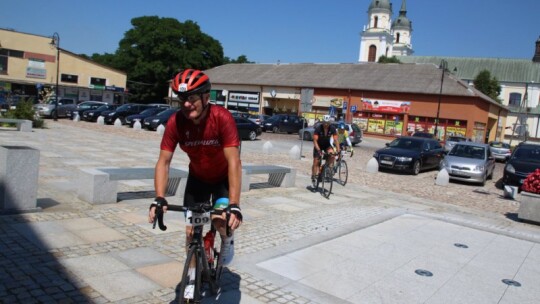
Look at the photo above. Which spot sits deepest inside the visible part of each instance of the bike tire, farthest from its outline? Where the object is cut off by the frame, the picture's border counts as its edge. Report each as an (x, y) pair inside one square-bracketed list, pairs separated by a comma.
[(197, 291), (327, 181), (343, 173)]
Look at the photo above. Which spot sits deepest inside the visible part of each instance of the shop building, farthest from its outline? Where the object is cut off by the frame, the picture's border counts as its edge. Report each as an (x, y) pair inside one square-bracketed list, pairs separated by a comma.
[(386, 100), (30, 65)]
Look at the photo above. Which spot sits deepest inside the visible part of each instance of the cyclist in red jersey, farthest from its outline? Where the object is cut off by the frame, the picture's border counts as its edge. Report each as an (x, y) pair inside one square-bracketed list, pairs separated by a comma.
[(208, 135)]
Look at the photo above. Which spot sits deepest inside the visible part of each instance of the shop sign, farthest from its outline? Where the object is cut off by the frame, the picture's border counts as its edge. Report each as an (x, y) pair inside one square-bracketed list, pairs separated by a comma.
[(328, 101), (114, 88), (387, 106), (244, 97), (96, 87)]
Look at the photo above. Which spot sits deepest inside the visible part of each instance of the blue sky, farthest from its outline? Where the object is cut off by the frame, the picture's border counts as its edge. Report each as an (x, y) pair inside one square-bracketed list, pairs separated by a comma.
[(291, 31)]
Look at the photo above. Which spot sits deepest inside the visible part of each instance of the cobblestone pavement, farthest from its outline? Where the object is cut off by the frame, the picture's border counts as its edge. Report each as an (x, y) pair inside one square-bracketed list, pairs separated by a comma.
[(277, 220)]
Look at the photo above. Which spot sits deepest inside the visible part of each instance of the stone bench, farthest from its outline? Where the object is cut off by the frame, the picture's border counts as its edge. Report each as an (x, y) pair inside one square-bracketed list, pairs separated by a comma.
[(23, 125), (278, 176), (100, 185)]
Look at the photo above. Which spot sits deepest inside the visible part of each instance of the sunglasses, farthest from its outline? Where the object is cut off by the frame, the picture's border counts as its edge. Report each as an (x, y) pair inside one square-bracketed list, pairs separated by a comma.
[(191, 99)]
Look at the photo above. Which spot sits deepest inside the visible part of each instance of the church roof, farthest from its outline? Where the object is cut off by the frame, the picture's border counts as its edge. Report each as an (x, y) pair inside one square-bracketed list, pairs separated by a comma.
[(402, 22), (380, 4), (505, 70), (406, 78)]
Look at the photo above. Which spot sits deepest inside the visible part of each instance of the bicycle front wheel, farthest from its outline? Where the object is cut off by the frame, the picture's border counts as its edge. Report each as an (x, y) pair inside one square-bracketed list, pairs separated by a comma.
[(327, 180), (343, 173), (190, 288)]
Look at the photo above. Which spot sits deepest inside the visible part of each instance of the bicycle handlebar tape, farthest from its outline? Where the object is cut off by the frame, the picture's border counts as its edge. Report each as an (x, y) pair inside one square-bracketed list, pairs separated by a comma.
[(160, 202)]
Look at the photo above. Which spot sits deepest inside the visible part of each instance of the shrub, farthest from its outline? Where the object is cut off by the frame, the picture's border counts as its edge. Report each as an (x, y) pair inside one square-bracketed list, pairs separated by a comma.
[(532, 182), (25, 110)]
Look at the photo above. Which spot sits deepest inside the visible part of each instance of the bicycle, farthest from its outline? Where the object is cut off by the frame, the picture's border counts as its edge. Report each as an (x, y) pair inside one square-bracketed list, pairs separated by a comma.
[(207, 269), (325, 176), (341, 168)]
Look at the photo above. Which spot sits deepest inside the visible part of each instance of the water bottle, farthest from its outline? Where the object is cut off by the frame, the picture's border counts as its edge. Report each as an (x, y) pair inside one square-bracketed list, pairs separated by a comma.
[(221, 203), (209, 246)]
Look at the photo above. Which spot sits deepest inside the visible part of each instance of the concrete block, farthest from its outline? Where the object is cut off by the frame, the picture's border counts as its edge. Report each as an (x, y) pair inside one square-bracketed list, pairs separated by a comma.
[(19, 172), (95, 187), (25, 126), (529, 207), (510, 191)]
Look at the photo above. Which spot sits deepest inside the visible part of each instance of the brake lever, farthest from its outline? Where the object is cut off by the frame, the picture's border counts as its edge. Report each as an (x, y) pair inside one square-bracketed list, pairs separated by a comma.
[(227, 218)]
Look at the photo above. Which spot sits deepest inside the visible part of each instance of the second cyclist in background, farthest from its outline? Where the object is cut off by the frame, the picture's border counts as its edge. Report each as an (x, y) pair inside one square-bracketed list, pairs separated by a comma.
[(322, 135), (343, 138)]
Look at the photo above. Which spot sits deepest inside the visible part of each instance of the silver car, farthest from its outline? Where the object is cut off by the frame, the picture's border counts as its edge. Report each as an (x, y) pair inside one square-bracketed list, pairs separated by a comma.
[(452, 140), (469, 162), (500, 150)]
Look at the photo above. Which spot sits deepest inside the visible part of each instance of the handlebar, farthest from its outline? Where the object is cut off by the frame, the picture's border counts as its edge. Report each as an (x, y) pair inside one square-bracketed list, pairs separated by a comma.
[(200, 208)]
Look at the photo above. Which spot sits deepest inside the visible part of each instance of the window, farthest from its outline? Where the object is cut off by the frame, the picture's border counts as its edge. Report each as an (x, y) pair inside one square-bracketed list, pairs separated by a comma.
[(3, 64), (69, 78), (398, 35), (372, 53), (98, 81), (376, 21), (515, 99)]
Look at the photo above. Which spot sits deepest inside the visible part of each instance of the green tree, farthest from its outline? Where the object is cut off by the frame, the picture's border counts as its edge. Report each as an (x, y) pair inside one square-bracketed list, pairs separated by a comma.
[(240, 59), (155, 49), (488, 85), (393, 59)]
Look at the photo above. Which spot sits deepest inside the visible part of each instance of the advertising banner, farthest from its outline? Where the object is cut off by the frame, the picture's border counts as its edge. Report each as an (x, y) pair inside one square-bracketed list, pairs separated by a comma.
[(387, 106)]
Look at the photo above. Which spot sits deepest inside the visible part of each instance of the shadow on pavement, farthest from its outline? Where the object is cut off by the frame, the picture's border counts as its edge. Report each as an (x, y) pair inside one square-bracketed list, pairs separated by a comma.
[(229, 294)]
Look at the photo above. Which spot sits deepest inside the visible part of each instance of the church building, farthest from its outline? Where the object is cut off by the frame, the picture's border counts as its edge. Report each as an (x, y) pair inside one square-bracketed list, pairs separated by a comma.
[(384, 37)]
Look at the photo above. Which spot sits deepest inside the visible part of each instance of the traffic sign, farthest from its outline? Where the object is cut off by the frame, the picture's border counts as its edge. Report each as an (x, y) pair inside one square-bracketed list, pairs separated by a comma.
[(344, 105), (353, 109)]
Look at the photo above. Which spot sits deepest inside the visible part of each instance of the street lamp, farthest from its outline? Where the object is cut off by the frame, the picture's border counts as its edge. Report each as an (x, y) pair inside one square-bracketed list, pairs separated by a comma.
[(56, 43), (443, 66)]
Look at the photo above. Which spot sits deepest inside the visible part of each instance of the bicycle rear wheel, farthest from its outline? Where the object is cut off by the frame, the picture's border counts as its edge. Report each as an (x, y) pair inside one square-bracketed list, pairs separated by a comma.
[(190, 288), (343, 172), (327, 180)]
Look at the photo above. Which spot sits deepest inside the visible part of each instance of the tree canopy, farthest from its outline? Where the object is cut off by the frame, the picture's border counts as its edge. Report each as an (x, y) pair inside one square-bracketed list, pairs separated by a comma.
[(155, 48), (488, 85)]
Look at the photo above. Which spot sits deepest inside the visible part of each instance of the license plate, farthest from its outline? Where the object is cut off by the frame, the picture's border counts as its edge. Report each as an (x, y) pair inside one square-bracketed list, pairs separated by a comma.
[(386, 162), (458, 173)]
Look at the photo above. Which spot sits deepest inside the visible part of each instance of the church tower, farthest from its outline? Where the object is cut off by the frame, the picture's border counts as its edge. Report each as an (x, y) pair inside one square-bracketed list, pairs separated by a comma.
[(376, 39), (381, 36), (402, 29)]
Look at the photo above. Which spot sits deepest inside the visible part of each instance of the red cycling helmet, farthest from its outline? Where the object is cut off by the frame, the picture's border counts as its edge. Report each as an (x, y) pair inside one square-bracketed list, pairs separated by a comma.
[(189, 82)]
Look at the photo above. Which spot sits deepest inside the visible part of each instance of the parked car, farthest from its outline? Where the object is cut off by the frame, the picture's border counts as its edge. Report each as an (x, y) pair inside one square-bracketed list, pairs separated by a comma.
[(355, 133), (452, 140), (423, 134), (48, 108), (84, 106), (247, 129), (258, 118), (92, 115), (123, 111), (283, 123), (411, 154), (500, 150), (131, 119), (469, 162), (152, 123), (524, 160), (239, 114)]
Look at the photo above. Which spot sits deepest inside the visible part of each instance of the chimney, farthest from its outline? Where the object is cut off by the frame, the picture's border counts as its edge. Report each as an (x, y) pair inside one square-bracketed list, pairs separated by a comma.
[(536, 57)]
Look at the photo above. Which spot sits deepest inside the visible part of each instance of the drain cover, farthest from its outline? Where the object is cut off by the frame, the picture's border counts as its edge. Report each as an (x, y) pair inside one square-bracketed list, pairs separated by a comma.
[(423, 273), (511, 282), (458, 245)]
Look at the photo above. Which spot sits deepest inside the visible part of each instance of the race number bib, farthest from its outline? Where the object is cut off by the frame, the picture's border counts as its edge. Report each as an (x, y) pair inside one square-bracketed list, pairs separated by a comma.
[(197, 219)]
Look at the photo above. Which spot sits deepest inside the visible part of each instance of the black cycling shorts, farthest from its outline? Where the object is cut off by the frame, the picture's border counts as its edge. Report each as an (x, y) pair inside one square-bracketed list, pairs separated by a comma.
[(198, 191), (323, 147)]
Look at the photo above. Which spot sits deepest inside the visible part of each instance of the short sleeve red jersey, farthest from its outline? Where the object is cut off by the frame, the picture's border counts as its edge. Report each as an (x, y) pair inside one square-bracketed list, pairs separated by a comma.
[(203, 143)]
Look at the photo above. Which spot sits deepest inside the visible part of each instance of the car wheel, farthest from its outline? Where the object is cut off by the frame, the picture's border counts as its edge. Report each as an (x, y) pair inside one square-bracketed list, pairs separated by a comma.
[(483, 182), (416, 167), (275, 129), (252, 135), (307, 136)]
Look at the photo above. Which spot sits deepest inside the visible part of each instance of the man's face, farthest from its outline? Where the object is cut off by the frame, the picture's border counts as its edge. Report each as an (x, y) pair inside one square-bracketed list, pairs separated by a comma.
[(193, 105)]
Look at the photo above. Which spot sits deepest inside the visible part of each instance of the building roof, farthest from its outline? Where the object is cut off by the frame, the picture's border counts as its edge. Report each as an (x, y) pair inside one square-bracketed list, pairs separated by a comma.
[(405, 78), (505, 70)]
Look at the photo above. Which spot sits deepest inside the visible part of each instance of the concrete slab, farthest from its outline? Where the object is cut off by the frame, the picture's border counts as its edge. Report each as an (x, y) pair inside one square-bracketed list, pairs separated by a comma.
[(141, 257), (121, 285), (167, 274)]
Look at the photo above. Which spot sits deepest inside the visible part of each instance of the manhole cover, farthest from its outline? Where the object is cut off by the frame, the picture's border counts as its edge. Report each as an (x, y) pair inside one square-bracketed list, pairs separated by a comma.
[(511, 282), (423, 273), (458, 245)]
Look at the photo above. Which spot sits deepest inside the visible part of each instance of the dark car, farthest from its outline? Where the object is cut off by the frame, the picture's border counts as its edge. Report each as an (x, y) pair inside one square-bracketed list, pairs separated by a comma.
[(131, 119), (524, 160), (152, 123), (124, 111), (84, 106), (92, 115), (411, 154), (247, 129), (423, 134), (283, 123)]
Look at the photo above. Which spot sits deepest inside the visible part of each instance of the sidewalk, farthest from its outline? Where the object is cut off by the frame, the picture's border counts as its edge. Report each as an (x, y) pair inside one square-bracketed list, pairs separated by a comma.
[(362, 245)]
